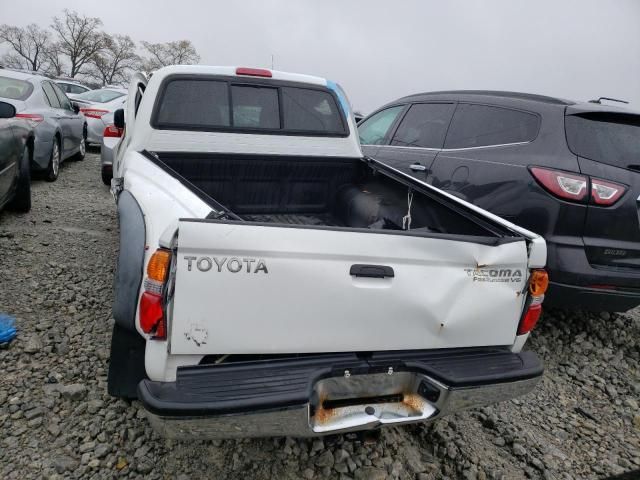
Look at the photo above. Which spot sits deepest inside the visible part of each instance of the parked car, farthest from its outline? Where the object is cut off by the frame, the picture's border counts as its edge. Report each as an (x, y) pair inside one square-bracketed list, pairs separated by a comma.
[(110, 138), (95, 104), (60, 130), (16, 148), (272, 281), (71, 87), (566, 170)]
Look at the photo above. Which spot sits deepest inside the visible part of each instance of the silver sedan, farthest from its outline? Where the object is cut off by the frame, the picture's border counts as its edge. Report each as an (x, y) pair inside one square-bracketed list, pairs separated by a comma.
[(60, 129)]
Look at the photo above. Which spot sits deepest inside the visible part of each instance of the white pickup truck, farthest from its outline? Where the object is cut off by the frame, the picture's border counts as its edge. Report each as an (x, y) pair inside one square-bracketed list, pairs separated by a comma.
[(273, 281)]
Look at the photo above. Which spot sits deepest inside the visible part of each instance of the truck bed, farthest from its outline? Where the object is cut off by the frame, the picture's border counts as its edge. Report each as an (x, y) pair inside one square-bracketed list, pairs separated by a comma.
[(320, 191)]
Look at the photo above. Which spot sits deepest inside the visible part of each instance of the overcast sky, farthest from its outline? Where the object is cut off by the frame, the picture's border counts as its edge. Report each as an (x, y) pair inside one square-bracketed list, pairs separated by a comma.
[(381, 50)]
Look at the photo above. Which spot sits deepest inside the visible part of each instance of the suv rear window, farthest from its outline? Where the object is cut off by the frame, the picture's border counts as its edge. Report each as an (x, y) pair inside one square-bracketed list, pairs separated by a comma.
[(611, 138), (15, 89), (186, 104), (483, 126)]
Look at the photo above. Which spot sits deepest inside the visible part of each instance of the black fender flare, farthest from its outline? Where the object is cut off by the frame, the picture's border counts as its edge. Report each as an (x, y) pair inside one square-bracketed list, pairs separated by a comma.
[(130, 265)]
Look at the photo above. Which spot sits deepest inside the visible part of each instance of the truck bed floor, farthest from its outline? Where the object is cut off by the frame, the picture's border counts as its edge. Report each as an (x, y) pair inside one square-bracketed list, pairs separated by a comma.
[(294, 219)]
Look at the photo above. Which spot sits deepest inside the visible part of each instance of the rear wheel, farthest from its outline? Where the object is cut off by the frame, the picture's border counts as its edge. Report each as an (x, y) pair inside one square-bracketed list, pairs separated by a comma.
[(22, 200), (54, 162), (83, 146), (107, 174)]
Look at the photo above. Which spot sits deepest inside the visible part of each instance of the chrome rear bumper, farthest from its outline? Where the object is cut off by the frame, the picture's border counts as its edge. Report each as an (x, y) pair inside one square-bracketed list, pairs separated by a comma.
[(313, 395), (307, 420)]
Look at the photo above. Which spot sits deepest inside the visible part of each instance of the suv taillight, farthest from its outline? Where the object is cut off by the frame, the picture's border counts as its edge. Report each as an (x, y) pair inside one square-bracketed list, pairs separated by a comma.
[(152, 315), (538, 284), (575, 187), (606, 193), (111, 131), (562, 184)]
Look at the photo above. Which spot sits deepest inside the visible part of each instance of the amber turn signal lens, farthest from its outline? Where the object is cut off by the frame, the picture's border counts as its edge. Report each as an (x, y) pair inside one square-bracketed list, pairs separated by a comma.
[(158, 266), (538, 282)]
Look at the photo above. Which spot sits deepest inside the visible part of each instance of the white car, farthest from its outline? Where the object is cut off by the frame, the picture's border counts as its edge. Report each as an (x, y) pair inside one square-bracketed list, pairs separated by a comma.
[(110, 139), (71, 87), (273, 281), (95, 104)]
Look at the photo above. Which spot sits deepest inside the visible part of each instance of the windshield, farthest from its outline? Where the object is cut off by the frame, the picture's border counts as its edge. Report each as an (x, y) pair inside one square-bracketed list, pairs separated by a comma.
[(15, 89), (100, 96), (611, 138)]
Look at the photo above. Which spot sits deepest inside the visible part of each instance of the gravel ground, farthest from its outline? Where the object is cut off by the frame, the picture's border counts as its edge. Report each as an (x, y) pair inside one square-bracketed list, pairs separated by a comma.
[(57, 421)]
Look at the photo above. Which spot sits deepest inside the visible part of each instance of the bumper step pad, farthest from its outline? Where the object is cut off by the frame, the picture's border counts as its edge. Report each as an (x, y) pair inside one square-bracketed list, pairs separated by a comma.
[(288, 382)]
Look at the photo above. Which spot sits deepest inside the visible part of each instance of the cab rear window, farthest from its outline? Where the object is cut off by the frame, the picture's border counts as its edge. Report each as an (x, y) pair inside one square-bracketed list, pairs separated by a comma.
[(226, 105), (611, 138)]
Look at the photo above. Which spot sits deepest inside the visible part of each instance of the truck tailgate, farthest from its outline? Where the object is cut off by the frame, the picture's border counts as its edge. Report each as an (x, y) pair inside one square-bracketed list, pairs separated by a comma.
[(244, 288)]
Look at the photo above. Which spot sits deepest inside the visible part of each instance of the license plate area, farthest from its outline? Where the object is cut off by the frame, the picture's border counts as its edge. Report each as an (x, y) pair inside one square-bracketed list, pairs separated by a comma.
[(366, 401)]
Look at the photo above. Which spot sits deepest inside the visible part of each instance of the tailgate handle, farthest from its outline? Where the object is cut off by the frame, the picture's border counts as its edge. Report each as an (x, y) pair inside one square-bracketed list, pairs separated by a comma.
[(371, 271)]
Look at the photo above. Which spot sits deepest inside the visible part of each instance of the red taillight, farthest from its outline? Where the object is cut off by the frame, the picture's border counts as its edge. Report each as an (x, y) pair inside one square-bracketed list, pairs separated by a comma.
[(93, 112), (32, 118), (606, 193), (254, 72), (530, 319), (538, 284), (152, 319), (569, 186), (112, 131), (572, 186), (152, 315)]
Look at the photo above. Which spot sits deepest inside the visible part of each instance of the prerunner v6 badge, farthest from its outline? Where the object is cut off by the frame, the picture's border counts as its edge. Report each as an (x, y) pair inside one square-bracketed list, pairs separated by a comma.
[(504, 275)]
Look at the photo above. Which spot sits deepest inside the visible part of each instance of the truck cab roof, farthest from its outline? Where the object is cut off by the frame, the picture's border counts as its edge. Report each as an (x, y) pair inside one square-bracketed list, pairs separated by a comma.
[(243, 110)]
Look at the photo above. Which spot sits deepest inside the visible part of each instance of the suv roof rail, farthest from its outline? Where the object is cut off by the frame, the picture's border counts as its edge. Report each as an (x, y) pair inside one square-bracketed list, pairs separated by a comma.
[(599, 100), (496, 93)]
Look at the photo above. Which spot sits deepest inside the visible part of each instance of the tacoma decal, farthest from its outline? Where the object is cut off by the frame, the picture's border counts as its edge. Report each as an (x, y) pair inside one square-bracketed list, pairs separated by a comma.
[(504, 275), (233, 264)]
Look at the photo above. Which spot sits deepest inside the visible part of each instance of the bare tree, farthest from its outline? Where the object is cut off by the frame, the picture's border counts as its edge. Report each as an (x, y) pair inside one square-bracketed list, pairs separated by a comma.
[(55, 63), (180, 52), (28, 46), (116, 61), (79, 39)]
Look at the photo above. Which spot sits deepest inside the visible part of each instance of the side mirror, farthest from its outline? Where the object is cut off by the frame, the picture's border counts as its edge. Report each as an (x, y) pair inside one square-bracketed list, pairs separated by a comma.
[(118, 118), (76, 107), (7, 110)]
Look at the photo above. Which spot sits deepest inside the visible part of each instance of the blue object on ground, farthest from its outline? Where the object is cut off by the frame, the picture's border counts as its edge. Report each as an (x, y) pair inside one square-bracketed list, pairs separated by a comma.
[(7, 328)]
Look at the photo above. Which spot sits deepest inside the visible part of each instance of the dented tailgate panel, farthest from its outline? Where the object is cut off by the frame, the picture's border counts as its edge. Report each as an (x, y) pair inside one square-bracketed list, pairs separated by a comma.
[(243, 288)]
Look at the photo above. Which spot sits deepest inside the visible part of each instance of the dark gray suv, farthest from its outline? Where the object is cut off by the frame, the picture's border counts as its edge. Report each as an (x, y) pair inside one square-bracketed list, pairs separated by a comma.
[(568, 171)]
